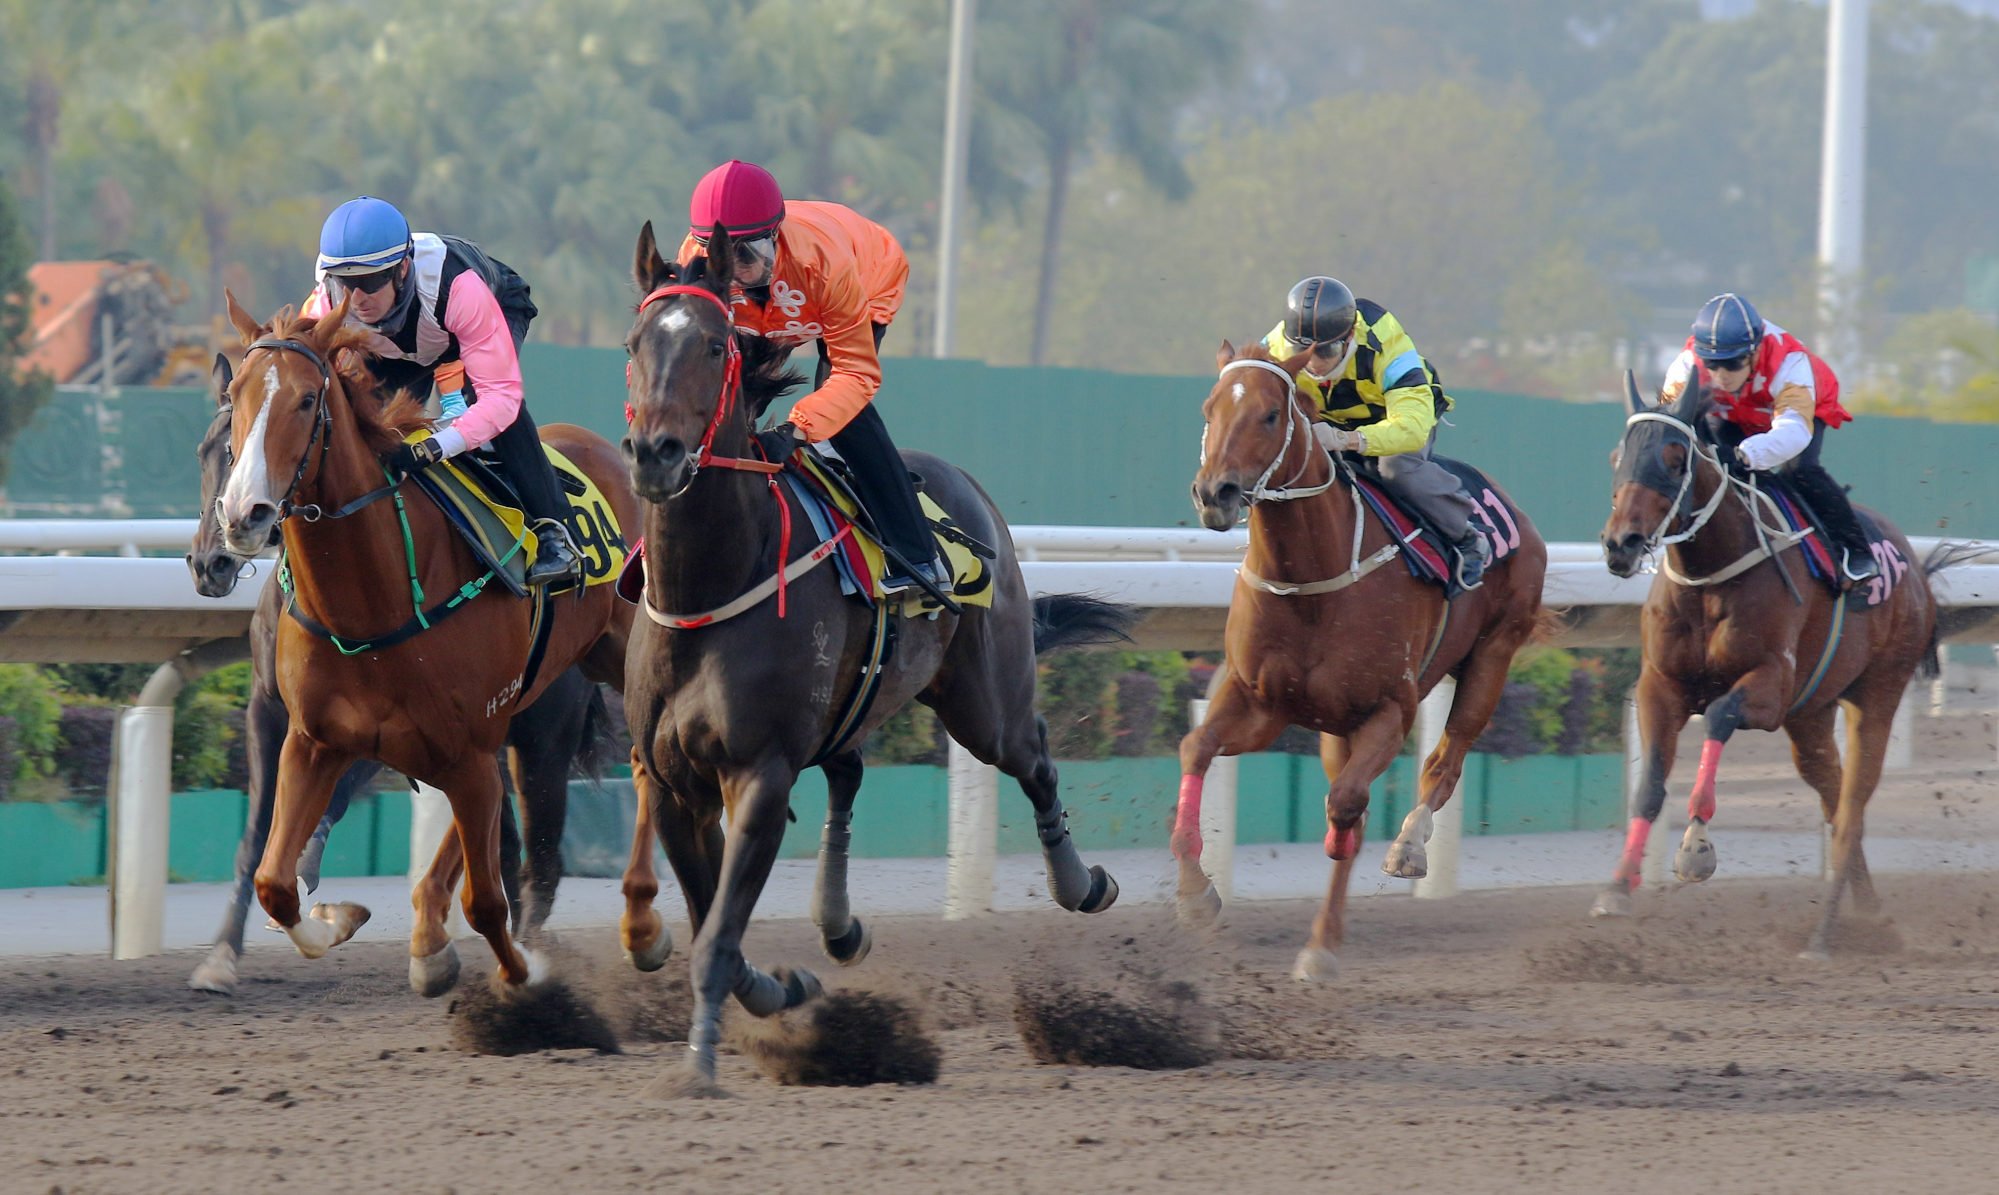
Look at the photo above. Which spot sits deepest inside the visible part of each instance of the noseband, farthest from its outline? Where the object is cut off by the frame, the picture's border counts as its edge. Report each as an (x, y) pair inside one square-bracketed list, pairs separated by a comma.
[(732, 388)]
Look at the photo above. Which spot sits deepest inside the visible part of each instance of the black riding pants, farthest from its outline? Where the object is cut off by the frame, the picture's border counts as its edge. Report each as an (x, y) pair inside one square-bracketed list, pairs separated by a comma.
[(880, 474), (1826, 497)]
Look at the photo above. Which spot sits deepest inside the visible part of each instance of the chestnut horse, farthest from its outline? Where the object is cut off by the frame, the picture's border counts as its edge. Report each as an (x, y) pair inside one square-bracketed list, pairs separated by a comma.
[(545, 743), (1327, 630), (1735, 629), (425, 684), (726, 707)]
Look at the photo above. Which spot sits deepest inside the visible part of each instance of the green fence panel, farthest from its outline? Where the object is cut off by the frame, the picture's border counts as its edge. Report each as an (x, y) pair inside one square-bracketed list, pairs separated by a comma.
[(1267, 795), (1600, 803), (155, 439), (57, 463), (201, 840), (1530, 795), (44, 846)]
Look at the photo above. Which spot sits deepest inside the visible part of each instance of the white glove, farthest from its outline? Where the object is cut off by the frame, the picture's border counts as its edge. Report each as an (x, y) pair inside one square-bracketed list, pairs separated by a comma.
[(1339, 439)]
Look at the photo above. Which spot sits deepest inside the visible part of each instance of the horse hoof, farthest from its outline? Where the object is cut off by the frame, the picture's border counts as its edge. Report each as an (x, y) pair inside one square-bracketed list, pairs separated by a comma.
[(346, 917), (216, 973), (1200, 910), (1315, 965), (432, 975), (851, 947), (654, 954), (1815, 953), (1614, 901), (1694, 861), (1406, 860), (1103, 891), (685, 1083), (800, 985)]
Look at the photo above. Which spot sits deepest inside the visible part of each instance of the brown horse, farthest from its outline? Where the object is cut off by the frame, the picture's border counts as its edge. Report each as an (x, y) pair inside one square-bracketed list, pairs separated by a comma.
[(545, 742), (728, 705), (431, 697), (1321, 635), (1735, 629)]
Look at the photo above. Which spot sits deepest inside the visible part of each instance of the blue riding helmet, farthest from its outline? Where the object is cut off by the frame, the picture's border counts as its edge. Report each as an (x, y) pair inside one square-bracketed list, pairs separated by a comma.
[(363, 236), (1726, 328)]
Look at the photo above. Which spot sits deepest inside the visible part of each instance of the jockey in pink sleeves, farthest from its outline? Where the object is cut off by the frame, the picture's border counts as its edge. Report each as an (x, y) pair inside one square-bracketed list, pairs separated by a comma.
[(444, 311)]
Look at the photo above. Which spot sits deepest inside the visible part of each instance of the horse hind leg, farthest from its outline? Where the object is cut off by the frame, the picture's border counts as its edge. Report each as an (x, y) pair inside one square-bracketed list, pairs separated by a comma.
[(1477, 696), (476, 795), (1873, 718), (845, 939)]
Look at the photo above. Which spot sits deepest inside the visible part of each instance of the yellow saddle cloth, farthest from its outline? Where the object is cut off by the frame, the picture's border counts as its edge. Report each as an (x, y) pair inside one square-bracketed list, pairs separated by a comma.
[(971, 574), (499, 533)]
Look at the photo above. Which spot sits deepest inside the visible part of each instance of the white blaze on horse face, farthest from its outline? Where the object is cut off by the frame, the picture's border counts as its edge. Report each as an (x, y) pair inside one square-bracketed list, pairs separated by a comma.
[(250, 482), (1237, 391), (674, 319)]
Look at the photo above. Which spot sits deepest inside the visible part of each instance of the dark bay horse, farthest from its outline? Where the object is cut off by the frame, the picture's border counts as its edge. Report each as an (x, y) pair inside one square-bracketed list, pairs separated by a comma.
[(557, 734), (1327, 630), (435, 697), (725, 712), (1735, 629)]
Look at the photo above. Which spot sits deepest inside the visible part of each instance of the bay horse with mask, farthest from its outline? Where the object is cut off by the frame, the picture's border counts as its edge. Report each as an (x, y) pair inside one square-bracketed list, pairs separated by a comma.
[(1734, 628), (412, 659), (560, 731), (737, 683), (1322, 635)]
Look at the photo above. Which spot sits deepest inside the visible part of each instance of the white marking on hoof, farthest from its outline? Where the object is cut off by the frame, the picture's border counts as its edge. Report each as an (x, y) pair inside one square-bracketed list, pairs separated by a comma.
[(433, 975), (1611, 902), (1200, 910), (1815, 954), (1694, 861), (216, 973), (538, 968), (1406, 858), (345, 917), (1315, 965), (653, 956), (312, 936)]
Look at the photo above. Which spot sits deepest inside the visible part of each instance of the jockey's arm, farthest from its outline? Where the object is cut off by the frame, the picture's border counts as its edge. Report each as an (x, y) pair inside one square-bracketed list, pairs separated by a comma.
[(1791, 422), (486, 346), (1677, 374), (1405, 390), (850, 351)]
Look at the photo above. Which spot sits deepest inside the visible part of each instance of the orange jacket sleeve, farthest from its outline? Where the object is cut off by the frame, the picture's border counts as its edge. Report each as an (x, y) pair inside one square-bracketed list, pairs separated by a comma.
[(850, 349)]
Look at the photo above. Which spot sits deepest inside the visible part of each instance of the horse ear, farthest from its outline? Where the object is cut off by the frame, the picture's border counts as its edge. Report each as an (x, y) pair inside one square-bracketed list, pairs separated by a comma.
[(1295, 364), (721, 259), (1692, 398), (1631, 394), (245, 326), (1225, 354), (220, 376), (650, 270)]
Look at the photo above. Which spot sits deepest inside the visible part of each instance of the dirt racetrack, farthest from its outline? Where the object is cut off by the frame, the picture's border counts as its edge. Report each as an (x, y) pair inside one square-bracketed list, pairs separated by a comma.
[(1499, 1041)]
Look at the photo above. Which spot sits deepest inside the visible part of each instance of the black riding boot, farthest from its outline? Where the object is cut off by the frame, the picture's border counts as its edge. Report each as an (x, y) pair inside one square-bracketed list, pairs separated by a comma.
[(1829, 501), (882, 478), (542, 500)]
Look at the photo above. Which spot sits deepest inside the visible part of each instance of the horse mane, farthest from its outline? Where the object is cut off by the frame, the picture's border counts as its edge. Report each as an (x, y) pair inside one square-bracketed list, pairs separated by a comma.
[(385, 418), (765, 378)]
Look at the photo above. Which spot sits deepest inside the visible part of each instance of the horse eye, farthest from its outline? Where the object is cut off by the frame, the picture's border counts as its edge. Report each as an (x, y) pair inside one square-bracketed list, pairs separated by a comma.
[(714, 348), (1270, 420)]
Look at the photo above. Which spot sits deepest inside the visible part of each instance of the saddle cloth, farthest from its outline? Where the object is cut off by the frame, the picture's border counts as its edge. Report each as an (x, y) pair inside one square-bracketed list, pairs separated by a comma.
[(1820, 553), (483, 508), (1428, 555), (829, 507)]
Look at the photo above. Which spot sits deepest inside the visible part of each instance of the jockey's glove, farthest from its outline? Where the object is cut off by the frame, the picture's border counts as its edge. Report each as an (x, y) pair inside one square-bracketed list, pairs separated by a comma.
[(411, 458), (1339, 439), (778, 443)]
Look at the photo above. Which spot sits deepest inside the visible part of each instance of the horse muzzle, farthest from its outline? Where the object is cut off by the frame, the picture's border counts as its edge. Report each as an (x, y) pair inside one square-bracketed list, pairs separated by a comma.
[(246, 535), (1220, 504), (660, 465), (1622, 555), (215, 573)]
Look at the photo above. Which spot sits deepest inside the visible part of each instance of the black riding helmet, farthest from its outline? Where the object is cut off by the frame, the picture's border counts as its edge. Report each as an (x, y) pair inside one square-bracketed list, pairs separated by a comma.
[(1317, 310)]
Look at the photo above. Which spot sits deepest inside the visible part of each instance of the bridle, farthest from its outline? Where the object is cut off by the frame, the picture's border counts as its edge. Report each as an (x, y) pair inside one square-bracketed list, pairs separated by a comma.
[(1695, 451), (321, 426), (1290, 489), (1770, 540), (732, 388)]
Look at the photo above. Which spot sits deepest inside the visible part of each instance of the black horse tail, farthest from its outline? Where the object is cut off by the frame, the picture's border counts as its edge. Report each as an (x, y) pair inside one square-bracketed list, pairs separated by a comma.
[(1946, 554), (599, 736), (1079, 620)]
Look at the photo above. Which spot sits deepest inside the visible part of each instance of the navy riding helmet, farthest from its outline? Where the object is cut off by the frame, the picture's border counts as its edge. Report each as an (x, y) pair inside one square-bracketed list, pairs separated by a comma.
[(1727, 328)]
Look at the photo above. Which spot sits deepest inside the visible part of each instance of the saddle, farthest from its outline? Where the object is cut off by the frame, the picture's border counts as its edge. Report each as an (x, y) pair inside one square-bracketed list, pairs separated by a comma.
[(1821, 558), (1425, 550), (482, 507)]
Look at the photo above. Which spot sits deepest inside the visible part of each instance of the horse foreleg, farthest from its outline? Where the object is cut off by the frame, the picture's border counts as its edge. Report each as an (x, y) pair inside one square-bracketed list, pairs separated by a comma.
[(1235, 725), (433, 956), (475, 794), (1662, 715), (1369, 751), (541, 750), (646, 939), (1872, 718), (264, 725), (845, 938), (757, 804), (1756, 701), (306, 774)]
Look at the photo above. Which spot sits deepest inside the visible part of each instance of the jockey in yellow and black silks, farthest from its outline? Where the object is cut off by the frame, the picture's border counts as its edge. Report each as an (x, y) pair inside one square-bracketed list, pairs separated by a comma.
[(1378, 398)]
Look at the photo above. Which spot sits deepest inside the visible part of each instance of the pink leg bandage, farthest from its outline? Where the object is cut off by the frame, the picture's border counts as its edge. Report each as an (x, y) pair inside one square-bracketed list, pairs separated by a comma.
[(1633, 864), (1701, 803), (1343, 844), (1187, 823)]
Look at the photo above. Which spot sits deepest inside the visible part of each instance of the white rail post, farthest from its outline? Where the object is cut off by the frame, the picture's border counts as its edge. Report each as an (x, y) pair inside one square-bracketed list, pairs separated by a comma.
[(430, 821), (1218, 814), (1940, 684), (1447, 824), (141, 814), (973, 847)]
